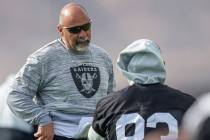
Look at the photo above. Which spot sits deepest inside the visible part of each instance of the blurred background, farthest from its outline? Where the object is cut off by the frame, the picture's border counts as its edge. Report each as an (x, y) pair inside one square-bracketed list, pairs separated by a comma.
[(181, 28)]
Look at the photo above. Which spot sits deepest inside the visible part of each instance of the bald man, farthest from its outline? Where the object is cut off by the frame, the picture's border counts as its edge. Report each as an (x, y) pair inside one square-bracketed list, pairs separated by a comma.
[(58, 87)]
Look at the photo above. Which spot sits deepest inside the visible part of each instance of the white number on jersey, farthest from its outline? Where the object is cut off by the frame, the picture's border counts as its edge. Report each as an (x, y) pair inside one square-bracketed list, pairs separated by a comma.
[(152, 121)]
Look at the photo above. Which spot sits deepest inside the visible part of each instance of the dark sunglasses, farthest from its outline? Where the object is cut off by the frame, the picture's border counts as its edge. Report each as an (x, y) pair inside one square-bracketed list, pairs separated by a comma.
[(78, 29)]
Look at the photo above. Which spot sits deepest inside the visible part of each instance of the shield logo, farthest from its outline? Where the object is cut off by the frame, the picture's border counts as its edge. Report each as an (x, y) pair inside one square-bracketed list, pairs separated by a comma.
[(86, 78)]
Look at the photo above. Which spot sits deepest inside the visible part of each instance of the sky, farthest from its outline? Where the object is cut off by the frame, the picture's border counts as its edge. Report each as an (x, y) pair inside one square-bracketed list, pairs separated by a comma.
[(181, 28)]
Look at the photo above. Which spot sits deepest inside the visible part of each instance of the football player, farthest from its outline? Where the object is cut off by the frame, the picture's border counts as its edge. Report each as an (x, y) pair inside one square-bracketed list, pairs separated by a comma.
[(146, 108)]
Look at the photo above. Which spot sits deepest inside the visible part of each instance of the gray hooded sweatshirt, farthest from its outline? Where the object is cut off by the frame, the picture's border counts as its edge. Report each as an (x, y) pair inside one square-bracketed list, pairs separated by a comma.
[(141, 62)]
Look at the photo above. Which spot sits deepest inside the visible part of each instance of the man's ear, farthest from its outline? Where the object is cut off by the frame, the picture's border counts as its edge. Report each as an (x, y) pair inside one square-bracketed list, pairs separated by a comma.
[(59, 28)]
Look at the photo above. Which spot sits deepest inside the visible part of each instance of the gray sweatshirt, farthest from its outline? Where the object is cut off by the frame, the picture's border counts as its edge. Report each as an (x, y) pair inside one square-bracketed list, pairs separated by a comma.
[(56, 83)]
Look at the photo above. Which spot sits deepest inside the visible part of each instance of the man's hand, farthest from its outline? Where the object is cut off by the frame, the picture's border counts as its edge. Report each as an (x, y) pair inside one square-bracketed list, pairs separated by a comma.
[(45, 132)]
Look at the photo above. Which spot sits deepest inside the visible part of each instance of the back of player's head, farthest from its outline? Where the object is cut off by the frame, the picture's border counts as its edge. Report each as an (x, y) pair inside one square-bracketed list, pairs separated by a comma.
[(141, 62)]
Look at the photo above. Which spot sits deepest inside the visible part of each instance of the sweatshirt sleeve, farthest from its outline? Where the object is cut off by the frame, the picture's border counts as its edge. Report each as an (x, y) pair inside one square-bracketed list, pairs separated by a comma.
[(112, 82), (26, 85)]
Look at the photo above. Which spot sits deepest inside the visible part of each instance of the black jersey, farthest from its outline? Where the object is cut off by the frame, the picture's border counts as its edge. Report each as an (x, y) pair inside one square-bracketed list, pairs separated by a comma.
[(137, 111)]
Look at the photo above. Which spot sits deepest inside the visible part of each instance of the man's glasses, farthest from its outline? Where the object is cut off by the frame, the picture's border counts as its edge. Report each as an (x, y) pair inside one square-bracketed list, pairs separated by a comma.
[(78, 29)]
